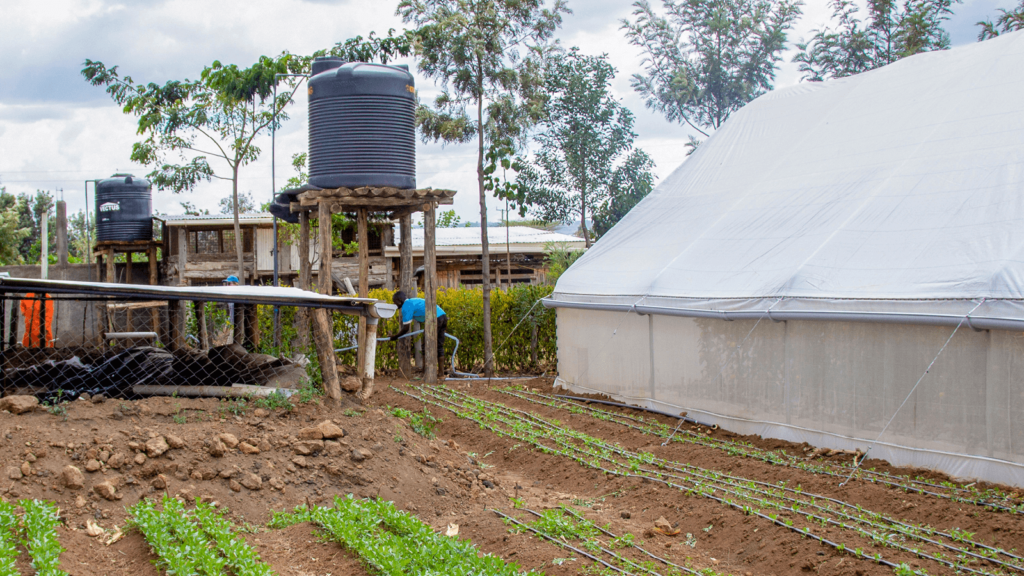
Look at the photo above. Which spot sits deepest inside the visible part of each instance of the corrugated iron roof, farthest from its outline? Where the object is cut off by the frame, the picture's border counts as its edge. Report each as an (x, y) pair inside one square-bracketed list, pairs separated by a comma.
[(189, 219), (495, 235)]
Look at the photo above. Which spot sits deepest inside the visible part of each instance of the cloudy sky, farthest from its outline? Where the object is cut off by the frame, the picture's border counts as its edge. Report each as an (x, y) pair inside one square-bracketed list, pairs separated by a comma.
[(57, 131)]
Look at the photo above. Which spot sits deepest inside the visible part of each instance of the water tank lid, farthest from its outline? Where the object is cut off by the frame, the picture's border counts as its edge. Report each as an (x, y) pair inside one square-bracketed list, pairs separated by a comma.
[(123, 179), (361, 78), (325, 63)]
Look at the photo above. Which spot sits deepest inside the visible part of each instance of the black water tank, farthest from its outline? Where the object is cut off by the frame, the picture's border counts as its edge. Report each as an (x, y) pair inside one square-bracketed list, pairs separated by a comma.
[(124, 209), (362, 125)]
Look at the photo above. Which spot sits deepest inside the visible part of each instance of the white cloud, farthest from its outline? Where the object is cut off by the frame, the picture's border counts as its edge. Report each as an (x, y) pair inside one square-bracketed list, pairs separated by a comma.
[(57, 131)]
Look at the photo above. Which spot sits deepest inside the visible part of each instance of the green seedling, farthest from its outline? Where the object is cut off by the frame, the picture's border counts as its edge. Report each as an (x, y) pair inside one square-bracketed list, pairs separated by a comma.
[(390, 541), (40, 537), (10, 532)]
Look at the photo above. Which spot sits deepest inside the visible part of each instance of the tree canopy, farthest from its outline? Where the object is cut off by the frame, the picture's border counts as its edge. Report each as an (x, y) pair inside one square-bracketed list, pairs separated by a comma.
[(705, 59), (485, 54), (189, 123), (1008, 21), (892, 31), (583, 137)]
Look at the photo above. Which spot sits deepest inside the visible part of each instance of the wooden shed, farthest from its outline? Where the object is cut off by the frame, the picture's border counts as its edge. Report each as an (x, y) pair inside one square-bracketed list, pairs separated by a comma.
[(208, 243), (516, 253)]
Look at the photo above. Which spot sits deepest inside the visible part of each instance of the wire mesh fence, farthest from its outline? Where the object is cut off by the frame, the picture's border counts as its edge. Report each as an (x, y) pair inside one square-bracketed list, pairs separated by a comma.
[(62, 346)]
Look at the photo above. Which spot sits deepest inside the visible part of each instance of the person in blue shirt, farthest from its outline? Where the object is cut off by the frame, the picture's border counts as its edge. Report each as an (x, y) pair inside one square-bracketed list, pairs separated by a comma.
[(415, 309)]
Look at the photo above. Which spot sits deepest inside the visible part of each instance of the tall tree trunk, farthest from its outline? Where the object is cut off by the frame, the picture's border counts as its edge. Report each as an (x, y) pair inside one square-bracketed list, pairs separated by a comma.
[(583, 219), (485, 253), (238, 227)]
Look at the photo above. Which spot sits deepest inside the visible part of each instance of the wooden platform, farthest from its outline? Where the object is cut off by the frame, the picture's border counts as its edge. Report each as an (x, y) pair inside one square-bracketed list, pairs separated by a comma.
[(396, 200)]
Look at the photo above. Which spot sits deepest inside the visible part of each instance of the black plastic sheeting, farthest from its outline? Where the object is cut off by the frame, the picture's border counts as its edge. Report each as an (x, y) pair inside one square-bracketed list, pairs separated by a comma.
[(113, 378)]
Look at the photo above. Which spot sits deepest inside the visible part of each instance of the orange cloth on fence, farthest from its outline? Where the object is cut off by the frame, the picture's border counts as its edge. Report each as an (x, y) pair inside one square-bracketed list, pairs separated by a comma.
[(30, 311)]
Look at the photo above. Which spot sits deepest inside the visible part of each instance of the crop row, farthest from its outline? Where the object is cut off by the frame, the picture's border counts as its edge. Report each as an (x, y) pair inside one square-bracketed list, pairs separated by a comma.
[(200, 542), (564, 525), (36, 531), (778, 504), (990, 498), (394, 543)]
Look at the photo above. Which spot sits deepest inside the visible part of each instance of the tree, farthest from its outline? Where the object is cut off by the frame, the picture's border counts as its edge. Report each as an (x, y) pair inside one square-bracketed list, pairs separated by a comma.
[(191, 210), (246, 204), (78, 239), (631, 183), (893, 31), (12, 234), (1009, 21), (705, 59), (486, 54), (584, 135), (217, 117), (448, 219)]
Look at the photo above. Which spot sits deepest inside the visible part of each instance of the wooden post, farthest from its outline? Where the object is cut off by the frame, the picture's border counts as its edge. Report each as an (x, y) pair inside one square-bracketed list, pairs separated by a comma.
[(204, 332), (323, 279), (62, 238), (363, 238), (305, 280), (405, 284), (128, 280), (176, 309), (323, 328), (305, 265), (154, 279), (369, 343), (111, 268), (430, 290), (182, 255), (238, 319)]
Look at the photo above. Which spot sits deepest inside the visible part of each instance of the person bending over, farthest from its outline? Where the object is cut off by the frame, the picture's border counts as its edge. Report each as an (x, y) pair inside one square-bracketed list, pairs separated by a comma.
[(415, 309)]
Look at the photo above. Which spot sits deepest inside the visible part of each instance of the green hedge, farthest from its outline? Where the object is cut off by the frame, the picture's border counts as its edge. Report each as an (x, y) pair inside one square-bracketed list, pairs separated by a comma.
[(464, 307)]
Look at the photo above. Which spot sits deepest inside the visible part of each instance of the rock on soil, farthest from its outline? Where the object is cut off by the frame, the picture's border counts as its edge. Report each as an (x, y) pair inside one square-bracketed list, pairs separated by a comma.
[(251, 481), (156, 446), (72, 478), (229, 440), (360, 454), (19, 404), (106, 490)]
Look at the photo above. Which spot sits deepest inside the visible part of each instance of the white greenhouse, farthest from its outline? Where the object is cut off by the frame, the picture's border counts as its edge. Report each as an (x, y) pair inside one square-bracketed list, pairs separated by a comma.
[(797, 275)]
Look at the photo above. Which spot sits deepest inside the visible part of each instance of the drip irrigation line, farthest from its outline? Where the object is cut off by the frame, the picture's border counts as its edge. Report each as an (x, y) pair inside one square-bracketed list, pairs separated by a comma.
[(901, 527), (557, 541), (609, 552), (611, 535), (735, 353), (746, 510), (716, 443), (894, 524), (761, 501), (925, 373), (651, 410)]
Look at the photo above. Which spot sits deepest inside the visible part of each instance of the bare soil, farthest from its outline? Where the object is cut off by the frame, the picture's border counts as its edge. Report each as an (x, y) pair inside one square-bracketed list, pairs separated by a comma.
[(433, 479)]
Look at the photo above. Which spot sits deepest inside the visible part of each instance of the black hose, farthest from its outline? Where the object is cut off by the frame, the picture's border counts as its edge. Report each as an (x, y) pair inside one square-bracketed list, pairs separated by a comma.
[(651, 410)]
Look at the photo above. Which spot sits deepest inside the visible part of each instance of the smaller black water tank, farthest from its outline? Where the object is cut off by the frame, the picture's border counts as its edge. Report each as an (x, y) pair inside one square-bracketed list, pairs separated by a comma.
[(124, 209), (362, 125)]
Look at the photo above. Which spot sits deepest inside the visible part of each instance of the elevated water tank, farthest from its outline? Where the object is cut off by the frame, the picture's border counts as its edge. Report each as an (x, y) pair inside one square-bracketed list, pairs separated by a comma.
[(124, 209), (362, 125)]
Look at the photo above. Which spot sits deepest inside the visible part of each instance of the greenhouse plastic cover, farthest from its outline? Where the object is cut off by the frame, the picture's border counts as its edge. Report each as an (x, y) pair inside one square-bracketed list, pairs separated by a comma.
[(896, 190)]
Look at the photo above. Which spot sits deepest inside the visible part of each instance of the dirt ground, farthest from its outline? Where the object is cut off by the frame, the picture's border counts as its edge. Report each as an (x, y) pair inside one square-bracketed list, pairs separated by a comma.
[(266, 464)]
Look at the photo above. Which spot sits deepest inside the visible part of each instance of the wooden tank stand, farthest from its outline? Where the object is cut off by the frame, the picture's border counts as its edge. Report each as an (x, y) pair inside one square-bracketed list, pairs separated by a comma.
[(397, 204), (106, 253)]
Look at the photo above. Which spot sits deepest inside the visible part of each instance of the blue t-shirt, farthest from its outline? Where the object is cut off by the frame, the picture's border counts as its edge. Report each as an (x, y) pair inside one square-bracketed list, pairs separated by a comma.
[(416, 309)]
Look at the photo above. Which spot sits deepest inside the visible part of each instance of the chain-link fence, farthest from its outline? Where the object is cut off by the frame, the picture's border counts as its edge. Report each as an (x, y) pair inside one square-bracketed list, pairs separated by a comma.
[(59, 346)]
